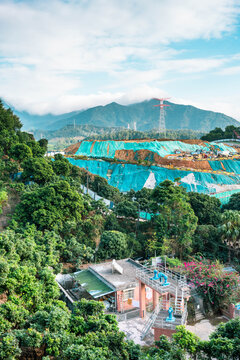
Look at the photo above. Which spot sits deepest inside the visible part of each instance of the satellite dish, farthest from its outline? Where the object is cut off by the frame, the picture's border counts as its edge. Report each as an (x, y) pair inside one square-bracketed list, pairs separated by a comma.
[(116, 267)]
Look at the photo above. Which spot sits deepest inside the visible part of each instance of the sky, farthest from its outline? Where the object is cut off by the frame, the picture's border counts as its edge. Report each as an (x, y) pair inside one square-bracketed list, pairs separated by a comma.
[(57, 56)]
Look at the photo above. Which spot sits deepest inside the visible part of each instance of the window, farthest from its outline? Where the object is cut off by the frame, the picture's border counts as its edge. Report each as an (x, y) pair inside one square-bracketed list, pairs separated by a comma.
[(128, 294)]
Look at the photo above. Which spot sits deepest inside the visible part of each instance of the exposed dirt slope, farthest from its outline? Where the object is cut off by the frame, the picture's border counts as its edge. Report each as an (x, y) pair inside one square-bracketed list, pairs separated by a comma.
[(146, 155), (72, 149)]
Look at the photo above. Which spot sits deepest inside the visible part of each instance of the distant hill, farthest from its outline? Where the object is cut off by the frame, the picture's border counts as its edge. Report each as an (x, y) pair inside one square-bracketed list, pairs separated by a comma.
[(144, 114), (32, 121)]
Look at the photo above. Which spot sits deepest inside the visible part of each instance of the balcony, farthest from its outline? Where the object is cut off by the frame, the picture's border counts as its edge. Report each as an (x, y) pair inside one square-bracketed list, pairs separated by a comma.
[(177, 282)]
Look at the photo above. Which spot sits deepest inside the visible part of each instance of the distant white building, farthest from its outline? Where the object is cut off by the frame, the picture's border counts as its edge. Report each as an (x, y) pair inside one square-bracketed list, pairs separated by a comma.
[(54, 152)]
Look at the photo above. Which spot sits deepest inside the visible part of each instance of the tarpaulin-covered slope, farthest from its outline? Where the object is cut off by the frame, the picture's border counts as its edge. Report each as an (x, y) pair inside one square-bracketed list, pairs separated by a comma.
[(129, 176), (231, 166), (108, 148)]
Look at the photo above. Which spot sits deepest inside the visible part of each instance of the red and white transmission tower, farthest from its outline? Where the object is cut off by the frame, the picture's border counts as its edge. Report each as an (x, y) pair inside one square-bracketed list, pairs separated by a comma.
[(162, 124)]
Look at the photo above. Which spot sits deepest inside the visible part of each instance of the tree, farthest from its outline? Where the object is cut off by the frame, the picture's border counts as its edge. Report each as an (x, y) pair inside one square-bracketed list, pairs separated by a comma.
[(224, 342), (20, 152), (234, 203), (76, 252), (38, 170), (218, 133), (211, 283), (111, 222), (9, 126), (61, 167), (3, 198), (186, 340), (8, 121), (206, 240), (9, 347), (50, 206), (230, 230), (113, 245), (181, 224), (4, 271), (206, 208), (102, 188), (144, 198), (163, 192), (37, 150), (215, 134), (43, 143), (126, 209)]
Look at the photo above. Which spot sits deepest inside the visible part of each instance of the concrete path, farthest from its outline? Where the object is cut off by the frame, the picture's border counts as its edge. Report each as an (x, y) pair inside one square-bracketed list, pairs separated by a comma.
[(133, 329), (205, 327)]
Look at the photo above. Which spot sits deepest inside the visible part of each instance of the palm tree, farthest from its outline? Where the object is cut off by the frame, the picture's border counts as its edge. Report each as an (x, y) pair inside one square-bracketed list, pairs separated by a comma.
[(230, 230)]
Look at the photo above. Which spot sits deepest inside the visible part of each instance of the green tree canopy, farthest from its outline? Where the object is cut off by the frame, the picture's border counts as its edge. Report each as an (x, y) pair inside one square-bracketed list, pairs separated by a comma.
[(234, 203), (21, 152), (38, 170), (3, 198), (50, 206), (206, 208), (229, 230), (61, 166), (206, 240), (113, 245), (8, 121), (218, 133), (127, 209), (164, 191), (181, 224)]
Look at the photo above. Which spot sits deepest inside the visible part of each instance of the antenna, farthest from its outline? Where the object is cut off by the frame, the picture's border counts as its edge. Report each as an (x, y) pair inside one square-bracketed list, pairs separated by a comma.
[(162, 123)]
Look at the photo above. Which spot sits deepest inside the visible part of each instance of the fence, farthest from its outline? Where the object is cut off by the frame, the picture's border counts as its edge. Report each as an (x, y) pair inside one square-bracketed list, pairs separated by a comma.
[(128, 315)]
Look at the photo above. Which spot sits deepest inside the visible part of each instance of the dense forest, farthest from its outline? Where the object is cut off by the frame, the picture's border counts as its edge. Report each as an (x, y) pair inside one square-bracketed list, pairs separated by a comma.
[(53, 227), (230, 132), (68, 135)]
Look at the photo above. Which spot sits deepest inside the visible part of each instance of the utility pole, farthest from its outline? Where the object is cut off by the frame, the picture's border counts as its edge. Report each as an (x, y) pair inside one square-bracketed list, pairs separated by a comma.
[(137, 225), (162, 123), (87, 179)]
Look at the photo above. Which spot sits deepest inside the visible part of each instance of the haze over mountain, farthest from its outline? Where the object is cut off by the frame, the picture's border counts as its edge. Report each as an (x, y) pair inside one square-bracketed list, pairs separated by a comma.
[(144, 114)]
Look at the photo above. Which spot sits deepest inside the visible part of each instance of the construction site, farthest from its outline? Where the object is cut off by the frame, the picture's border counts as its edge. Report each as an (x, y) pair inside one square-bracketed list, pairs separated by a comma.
[(211, 168)]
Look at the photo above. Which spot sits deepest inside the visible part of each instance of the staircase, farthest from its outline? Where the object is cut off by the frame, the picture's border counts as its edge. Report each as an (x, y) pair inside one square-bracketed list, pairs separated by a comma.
[(179, 301), (179, 290), (149, 322), (199, 315)]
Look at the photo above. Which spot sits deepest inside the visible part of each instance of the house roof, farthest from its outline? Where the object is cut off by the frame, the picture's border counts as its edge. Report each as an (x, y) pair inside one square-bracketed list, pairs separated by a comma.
[(115, 279)]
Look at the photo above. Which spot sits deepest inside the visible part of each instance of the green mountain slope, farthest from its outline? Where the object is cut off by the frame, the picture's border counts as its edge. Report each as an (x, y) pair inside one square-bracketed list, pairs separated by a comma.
[(144, 114)]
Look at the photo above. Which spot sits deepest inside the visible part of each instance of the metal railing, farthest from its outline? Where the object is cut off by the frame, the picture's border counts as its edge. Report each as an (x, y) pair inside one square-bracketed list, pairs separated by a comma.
[(184, 316), (149, 322), (145, 274), (128, 315), (179, 278), (161, 322)]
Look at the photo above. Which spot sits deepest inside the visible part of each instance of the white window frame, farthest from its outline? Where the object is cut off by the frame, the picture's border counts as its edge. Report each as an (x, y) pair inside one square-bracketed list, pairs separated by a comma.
[(128, 294)]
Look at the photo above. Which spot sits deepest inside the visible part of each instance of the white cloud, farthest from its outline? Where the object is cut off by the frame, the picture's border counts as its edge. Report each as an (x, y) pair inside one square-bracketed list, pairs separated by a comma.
[(49, 48), (231, 70), (226, 105)]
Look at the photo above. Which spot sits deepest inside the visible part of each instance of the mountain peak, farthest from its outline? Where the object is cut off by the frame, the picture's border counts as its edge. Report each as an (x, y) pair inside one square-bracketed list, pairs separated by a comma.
[(144, 114)]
